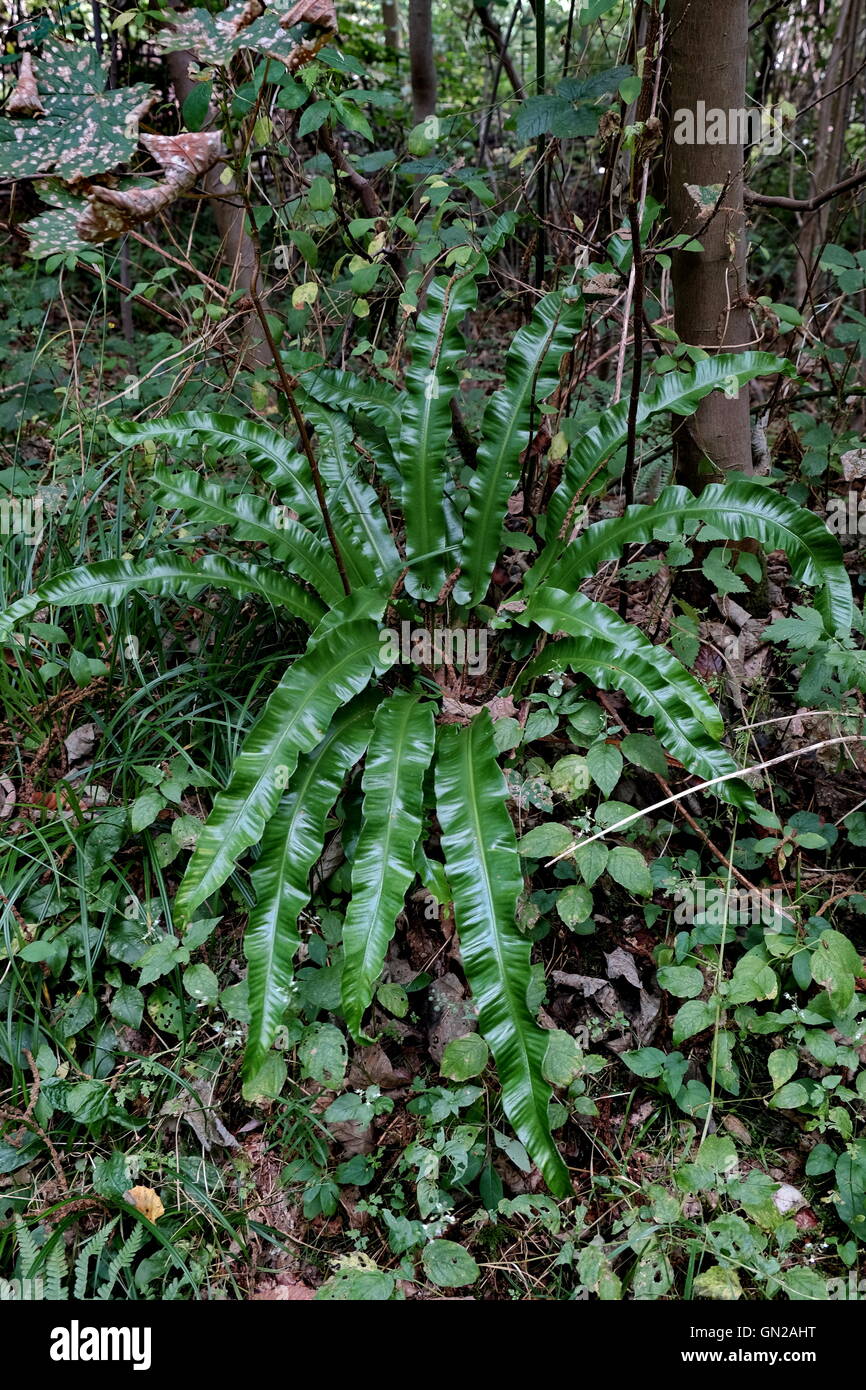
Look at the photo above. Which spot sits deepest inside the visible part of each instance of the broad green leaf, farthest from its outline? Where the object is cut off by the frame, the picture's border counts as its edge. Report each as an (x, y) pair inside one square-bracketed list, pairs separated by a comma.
[(448, 1265), (574, 904), (291, 845), (430, 385), (781, 1064), (604, 761), (752, 979), (692, 1018), (483, 870), (323, 1055), (465, 1057), (835, 964), (295, 719), (531, 376), (683, 981), (399, 754), (563, 1060), (545, 841), (110, 582)]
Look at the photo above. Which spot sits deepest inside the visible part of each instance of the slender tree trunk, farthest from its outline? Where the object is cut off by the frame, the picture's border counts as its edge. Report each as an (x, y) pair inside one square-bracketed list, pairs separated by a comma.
[(708, 54), (237, 248), (833, 117), (422, 67), (391, 21)]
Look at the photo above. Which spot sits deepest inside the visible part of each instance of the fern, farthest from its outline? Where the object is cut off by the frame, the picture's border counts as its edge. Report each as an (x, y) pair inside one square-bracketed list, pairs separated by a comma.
[(342, 698)]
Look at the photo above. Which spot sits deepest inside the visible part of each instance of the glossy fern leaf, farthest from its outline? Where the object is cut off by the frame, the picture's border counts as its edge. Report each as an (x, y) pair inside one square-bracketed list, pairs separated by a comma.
[(295, 719), (531, 376), (110, 582), (384, 866), (291, 845), (483, 871)]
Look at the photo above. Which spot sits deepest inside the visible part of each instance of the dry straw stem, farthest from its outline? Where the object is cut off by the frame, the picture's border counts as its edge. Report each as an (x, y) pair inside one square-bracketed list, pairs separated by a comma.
[(704, 786)]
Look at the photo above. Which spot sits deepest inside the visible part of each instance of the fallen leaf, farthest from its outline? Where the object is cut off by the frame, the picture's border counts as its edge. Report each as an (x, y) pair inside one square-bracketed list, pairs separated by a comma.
[(145, 1200)]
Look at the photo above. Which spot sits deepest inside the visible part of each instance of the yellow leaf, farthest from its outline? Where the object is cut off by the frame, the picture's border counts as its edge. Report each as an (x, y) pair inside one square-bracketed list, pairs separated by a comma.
[(305, 294), (558, 446), (145, 1200), (520, 156)]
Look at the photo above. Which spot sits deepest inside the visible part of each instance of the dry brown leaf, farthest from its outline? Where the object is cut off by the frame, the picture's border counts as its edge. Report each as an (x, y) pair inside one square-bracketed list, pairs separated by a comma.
[(282, 1289), (145, 1200), (110, 212), (321, 12), (250, 12), (463, 711), (24, 99)]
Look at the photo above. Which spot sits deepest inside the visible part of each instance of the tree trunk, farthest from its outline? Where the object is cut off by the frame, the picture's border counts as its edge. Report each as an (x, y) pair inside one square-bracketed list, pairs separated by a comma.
[(832, 123), (237, 248), (391, 21), (708, 54), (421, 63)]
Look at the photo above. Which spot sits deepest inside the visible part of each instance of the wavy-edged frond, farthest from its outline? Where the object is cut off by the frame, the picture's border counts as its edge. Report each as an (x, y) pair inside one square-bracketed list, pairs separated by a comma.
[(531, 375), (379, 401), (735, 510), (677, 392), (578, 616), (483, 871), (650, 693), (110, 582), (251, 519), (291, 845), (264, 448), (295, 719), (431, 381), (350, 495), (399, 754)]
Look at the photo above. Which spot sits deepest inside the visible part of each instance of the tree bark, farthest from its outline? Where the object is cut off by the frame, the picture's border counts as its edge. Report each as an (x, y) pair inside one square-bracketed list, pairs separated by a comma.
[(708, 54), (391, 21), (422, 67), (237, 248), (833, 116)]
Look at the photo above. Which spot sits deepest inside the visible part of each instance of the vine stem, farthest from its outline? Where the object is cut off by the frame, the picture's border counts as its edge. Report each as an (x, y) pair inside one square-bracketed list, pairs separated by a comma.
[(306, 444)]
